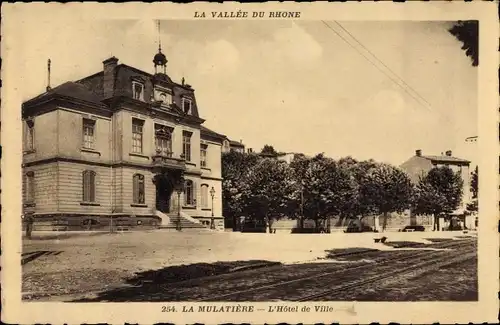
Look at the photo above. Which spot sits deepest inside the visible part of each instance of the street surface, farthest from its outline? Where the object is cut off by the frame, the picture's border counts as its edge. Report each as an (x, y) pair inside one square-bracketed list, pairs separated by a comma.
[(190, 266)]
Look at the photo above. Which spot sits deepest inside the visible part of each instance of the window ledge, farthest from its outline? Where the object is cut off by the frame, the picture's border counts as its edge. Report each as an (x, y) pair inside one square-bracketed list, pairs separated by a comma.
[(189, 207), (90, 203), (83, 149), (26, 152), (206, 209), (29, 204), (190, 163), (206, 168), (137, 205), (135, 154)]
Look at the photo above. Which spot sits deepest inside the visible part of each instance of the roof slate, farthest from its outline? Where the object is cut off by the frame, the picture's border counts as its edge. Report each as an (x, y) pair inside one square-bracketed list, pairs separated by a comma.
[(73, 90), (446, 159)]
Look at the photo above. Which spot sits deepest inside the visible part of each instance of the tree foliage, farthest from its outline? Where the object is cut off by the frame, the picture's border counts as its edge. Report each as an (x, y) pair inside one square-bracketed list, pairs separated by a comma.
[(270, 190), (467, 32), (474, 186), (386, 189), (438, 192), (269, 150), (234, 166), (328, 189)]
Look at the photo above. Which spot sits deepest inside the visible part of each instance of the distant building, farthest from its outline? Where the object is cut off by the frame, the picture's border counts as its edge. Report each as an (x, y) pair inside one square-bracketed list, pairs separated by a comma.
[(287, 156), (231, 145), (419, 165)]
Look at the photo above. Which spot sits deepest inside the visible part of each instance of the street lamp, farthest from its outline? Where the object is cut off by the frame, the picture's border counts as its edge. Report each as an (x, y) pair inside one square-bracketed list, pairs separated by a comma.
[(180, 189), (212, 193)]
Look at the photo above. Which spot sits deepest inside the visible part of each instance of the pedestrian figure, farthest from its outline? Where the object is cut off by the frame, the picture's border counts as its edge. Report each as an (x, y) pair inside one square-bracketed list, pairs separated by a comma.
[(29, 225)]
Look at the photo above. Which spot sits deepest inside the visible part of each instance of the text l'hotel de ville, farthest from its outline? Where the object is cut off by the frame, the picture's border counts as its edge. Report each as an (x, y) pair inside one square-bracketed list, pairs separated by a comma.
[(247, 14)]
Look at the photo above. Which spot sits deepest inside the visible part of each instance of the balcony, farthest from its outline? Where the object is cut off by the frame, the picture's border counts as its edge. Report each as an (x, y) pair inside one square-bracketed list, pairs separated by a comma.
[(165, 160)]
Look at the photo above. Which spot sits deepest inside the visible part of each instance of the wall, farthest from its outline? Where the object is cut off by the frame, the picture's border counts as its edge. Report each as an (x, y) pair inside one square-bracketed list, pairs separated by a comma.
[(71, 188), (45, 139), (70, 139), (125, 179), (416, 167), (123, 133), (46, 198)]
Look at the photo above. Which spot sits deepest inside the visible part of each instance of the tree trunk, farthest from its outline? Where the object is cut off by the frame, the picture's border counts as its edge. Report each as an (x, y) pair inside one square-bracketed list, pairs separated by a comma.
[(384, 224)]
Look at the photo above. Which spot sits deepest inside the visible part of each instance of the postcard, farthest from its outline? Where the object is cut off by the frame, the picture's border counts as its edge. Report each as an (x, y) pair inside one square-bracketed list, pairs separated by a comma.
[(250, 163)]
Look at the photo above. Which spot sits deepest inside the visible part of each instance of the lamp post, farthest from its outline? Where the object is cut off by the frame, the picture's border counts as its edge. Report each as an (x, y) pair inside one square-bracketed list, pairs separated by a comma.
[(212, 194)]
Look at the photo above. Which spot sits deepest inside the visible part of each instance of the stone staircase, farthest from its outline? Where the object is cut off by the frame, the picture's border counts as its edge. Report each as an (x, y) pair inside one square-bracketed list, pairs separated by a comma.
[(172, 220)]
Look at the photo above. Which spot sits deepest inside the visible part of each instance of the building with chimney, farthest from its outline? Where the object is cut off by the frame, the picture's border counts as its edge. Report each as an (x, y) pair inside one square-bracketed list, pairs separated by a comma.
[(419, 165), (122, 147), (231, 145)]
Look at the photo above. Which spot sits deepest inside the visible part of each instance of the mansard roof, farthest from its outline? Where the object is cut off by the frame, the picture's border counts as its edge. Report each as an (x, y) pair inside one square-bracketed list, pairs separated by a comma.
[(69, 90)]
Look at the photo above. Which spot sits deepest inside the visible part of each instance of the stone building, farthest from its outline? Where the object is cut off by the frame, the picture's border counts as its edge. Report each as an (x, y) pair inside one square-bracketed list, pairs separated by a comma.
[(122, 145), (231, 145), (418, 165)]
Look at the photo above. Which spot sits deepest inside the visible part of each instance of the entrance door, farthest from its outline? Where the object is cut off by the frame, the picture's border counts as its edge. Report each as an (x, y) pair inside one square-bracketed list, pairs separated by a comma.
[(164, 190)]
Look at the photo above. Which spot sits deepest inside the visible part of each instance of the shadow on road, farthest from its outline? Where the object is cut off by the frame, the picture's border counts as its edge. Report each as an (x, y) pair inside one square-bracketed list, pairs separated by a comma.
[(145, 286)]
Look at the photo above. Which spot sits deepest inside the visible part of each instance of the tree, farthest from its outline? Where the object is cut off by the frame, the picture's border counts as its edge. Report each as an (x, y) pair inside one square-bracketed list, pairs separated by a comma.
[(386, 189), (361, 205), (474, 186), (328, 188), (299, 165), (269, 150), (234, 166), (269, 191), (438, 192), (467, 32)]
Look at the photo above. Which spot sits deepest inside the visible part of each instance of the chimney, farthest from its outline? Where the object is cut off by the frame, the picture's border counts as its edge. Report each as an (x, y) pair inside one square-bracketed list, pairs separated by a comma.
[(418, 152), (448, 153), (109, 76), (250, 150)]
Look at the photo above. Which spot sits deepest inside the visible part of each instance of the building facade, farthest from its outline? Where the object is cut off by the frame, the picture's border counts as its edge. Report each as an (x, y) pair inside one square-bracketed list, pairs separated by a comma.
[(418, 166), (231, 145), (121, 143)]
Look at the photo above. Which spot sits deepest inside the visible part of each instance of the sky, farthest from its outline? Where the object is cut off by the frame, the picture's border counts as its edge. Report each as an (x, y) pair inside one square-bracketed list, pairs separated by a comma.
[(295, 85)]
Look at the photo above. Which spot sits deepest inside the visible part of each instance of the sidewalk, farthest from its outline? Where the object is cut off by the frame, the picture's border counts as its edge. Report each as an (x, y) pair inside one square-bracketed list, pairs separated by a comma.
[(49, 235)]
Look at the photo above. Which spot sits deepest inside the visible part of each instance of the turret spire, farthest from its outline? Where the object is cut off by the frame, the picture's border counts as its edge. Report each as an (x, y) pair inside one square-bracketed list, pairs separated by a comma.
[(160, 59), (159, 37)]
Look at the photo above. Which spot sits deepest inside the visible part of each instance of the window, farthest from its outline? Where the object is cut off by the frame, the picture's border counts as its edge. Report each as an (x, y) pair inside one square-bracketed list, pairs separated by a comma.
[(88, 186), (138, 188), (88, 133), (189, 193), (163, 139), (30, 187), (204, 196), (186, 145), (186, 105), (30, 135), (166, 98), (138, 90), (137, 126), (203, 155)]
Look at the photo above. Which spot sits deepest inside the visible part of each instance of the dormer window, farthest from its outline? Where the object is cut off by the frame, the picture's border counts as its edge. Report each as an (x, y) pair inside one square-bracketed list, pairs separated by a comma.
[(186, 105), (138, 90), (163, 95), (165, 98)]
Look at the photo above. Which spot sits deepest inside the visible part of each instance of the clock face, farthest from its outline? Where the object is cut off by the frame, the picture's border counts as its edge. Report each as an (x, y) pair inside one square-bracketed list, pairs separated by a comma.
[(163, 97)]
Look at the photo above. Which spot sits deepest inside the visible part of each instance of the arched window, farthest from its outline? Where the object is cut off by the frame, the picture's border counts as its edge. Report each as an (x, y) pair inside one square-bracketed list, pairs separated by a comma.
[(189, 193), (88, 186), (204, 195), (138, 189)]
